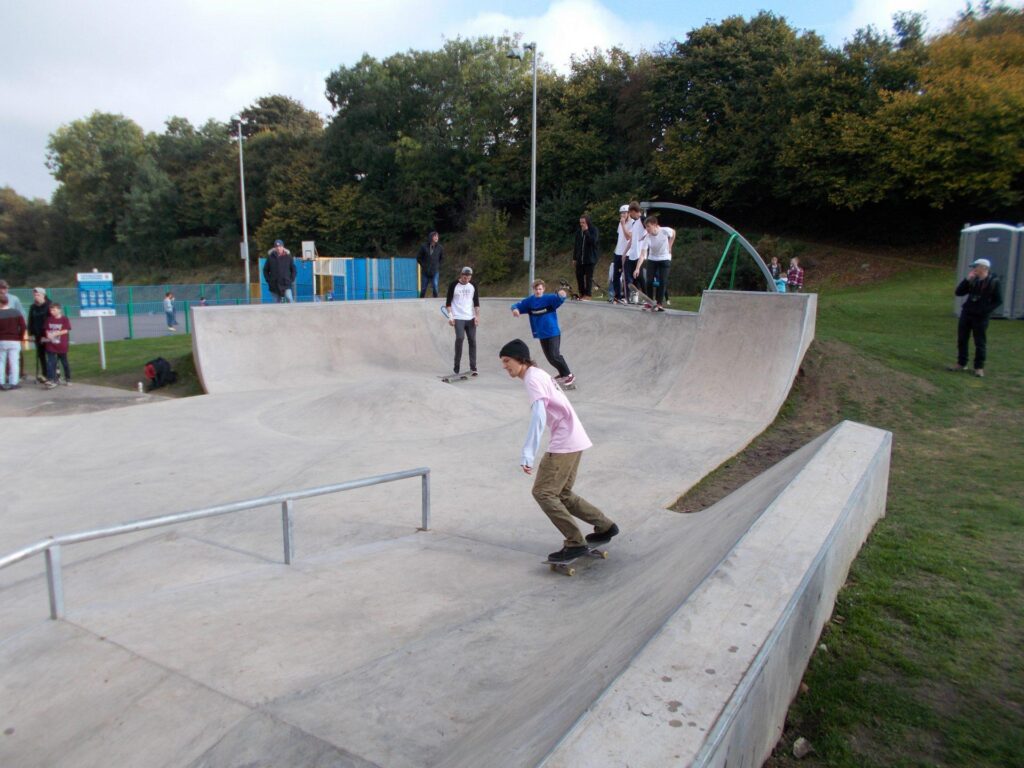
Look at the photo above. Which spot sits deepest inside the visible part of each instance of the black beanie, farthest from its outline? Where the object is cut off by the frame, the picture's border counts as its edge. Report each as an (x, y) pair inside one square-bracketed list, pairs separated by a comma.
[(517, 350)]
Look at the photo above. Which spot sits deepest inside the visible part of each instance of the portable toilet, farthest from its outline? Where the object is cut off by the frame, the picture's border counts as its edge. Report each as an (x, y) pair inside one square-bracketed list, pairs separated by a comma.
[(1000, 244), (1017, 301)]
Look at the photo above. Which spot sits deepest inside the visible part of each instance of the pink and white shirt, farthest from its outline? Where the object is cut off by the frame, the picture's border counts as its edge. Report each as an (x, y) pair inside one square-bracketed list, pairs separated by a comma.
[(567, 433)]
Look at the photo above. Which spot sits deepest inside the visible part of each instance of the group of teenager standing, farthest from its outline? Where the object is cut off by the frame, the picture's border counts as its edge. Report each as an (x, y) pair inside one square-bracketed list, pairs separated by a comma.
[(643, 256)]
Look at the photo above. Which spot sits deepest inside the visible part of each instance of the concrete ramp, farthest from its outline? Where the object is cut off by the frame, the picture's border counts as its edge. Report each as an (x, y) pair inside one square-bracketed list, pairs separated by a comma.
[(380, 645)]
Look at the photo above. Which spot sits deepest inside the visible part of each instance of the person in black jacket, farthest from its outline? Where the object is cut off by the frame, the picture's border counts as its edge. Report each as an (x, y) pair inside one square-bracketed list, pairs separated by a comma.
[(430, 256), (38, 314), (984, 296), (279, 272), (585, 253)]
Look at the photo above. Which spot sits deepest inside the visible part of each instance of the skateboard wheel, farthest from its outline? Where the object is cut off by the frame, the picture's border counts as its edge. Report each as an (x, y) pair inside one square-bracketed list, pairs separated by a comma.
[(570, 571), (604, 555)]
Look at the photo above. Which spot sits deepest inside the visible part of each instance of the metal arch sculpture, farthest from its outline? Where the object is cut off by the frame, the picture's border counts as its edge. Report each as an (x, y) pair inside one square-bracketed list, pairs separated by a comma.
[(725, 228)]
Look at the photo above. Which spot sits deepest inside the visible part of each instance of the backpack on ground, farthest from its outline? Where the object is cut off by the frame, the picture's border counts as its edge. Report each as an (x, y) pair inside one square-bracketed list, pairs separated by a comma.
[(159, 374)]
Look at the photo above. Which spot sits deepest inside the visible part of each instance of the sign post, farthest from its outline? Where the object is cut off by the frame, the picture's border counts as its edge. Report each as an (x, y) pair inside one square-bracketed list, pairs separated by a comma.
[(96, 299)]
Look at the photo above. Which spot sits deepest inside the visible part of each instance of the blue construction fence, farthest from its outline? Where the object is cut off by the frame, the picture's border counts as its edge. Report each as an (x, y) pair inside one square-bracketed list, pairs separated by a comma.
[(348, 279)]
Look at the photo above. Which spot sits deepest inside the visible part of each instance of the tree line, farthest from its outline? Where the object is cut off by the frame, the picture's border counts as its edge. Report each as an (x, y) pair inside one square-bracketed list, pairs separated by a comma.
[(748, 116)]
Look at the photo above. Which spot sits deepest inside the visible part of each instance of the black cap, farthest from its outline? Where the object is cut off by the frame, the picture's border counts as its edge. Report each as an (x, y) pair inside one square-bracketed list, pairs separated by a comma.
[(517, 350)]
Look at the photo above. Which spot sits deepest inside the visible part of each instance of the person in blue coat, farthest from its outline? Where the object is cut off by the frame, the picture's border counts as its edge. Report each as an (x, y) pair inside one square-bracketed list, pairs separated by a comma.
[(542, 309)]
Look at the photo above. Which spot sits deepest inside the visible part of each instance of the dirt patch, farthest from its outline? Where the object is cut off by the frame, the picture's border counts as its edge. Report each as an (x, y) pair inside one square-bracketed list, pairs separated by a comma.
[(833, 376)]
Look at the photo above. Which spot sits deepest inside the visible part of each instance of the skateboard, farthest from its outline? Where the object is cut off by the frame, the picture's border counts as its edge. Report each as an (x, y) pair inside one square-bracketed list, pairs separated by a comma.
[(563, 285), (565, 387), (566, 566), (451, 377), (444, 311), (636, 296)]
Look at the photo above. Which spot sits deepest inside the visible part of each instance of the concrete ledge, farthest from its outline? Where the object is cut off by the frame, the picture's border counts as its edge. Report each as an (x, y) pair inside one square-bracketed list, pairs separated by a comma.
[(713, 686)]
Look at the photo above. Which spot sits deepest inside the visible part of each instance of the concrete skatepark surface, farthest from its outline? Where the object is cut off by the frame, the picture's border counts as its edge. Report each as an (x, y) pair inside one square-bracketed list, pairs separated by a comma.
[(380, 644)]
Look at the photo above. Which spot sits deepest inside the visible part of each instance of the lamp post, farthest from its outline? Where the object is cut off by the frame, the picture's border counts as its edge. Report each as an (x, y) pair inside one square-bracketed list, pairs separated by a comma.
[(515, 54), (245, 225)]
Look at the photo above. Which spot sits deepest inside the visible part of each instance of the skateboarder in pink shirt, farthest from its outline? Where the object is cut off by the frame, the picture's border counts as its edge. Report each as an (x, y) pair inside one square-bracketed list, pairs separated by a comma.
[(556, 473)]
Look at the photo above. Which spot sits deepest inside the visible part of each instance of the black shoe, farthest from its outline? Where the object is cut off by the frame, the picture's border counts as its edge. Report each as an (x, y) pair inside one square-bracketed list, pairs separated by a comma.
[(567, 553), (602, 537)]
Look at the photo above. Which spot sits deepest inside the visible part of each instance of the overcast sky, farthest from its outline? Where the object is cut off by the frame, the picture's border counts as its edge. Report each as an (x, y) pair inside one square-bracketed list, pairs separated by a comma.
[(198, 59)]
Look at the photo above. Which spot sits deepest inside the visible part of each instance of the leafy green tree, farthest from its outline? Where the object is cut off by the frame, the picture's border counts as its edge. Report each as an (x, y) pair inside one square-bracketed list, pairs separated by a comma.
[(25, 239), (147, 224), (488, 240), (279, 113), (725, 96), (96, 160)]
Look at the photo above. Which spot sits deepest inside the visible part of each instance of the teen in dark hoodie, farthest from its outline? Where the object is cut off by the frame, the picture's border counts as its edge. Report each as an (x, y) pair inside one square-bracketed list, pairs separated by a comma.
[(584, 255)]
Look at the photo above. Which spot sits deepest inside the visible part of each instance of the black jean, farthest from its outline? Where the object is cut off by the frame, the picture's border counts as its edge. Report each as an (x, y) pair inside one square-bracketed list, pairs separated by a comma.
[(658, 270), (551, 352), (976, 326), (585, 278), (51, 365), (465, 328), (617, 276)]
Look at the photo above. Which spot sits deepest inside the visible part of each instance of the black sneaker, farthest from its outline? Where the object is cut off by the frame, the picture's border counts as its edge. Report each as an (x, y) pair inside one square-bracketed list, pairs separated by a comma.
[(567, 553), (604, 536)]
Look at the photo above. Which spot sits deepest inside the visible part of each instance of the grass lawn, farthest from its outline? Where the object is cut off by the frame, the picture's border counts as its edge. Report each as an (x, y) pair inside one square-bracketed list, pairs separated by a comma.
[(924, 658), (126, 360), (923, 662)]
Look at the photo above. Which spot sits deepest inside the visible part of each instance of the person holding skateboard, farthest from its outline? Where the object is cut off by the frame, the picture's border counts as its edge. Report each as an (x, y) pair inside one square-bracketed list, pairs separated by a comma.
[(542, 309), (556, 473), (463, 305)]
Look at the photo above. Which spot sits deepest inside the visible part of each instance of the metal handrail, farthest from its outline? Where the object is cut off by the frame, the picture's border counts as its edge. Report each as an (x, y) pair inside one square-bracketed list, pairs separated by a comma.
[(51, 547)]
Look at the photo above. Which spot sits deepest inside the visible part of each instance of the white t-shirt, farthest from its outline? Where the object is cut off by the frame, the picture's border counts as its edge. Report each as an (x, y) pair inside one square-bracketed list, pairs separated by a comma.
[(462, 301), (639, 238), (622, 244), (657, 245)]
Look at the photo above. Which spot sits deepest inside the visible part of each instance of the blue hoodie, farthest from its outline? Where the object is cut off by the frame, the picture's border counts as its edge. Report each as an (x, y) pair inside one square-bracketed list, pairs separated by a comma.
[(543, 320)]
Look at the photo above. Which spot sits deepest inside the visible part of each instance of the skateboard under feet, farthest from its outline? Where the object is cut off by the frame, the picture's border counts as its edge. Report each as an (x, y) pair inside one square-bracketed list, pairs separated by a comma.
[(566, 566)]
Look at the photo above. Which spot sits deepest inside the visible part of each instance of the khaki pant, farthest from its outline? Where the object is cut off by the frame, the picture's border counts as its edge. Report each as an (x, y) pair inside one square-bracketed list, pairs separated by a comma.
[(553, 491)]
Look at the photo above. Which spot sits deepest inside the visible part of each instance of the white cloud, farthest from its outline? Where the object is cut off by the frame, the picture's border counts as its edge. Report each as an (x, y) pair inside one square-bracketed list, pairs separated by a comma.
[(879, 13), (567, 28)]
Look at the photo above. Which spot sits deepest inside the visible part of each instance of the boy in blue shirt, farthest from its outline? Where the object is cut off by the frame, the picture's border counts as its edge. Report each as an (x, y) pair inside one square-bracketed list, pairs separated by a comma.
[(542, 309)]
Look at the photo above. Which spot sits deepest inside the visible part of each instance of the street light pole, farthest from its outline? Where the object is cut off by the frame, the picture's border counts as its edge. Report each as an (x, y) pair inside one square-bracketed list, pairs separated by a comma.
[(533, 171), (245, 225), (515, 54)]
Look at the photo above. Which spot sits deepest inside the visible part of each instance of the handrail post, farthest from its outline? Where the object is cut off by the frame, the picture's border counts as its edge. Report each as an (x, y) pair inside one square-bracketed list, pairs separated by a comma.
[(54, 583), (425, 492), (286, 529)]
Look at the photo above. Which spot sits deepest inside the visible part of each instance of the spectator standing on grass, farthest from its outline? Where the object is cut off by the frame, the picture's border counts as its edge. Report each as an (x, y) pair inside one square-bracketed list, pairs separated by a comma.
[(430, 256), (984, 296), (58, 330), (795, 276), (38, 314), (585, 253), (172, 321), (279, 272), (12, 336)]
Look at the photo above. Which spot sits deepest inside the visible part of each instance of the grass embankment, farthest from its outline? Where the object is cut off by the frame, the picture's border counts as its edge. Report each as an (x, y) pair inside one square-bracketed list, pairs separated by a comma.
[(924, 662), (126, 361)]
